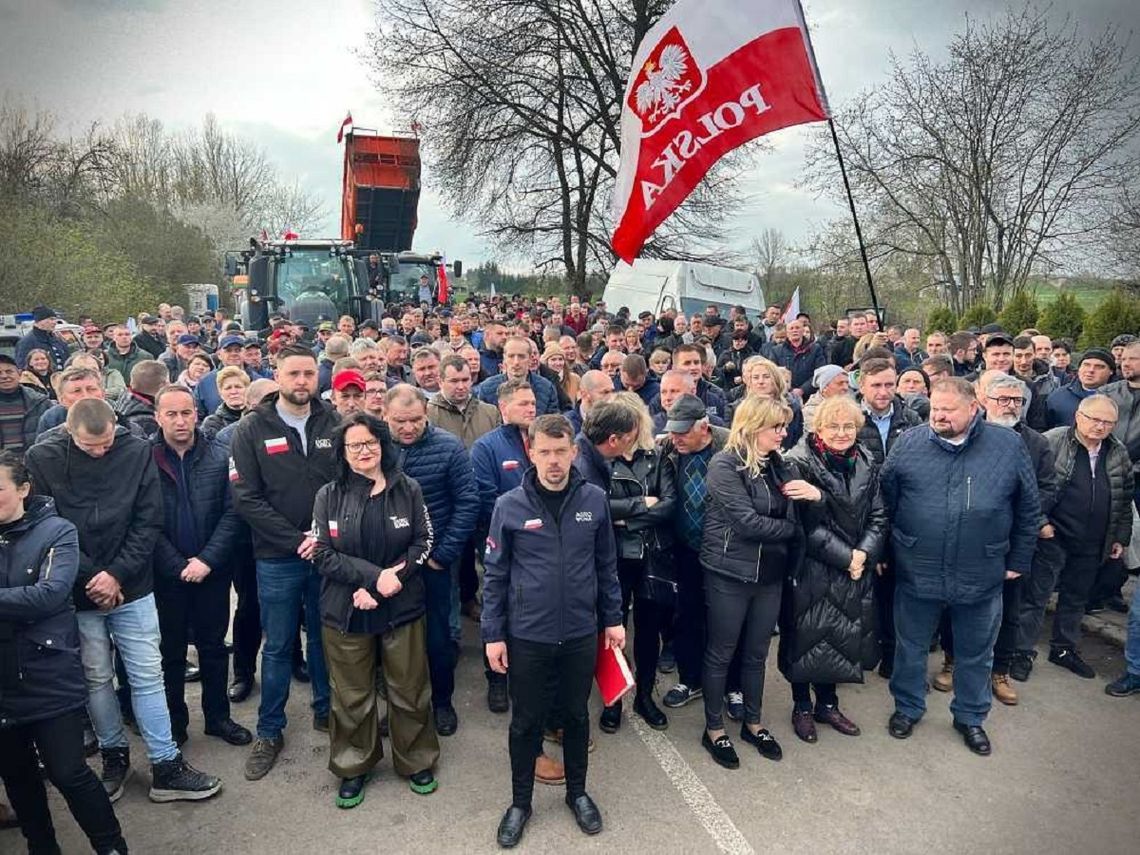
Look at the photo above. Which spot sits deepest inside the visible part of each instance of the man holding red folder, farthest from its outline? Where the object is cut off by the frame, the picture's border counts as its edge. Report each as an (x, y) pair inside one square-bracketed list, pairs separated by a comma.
[(550, 581)]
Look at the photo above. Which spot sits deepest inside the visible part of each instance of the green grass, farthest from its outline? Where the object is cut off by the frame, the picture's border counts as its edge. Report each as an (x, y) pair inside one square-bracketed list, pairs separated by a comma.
[(1089, 292)]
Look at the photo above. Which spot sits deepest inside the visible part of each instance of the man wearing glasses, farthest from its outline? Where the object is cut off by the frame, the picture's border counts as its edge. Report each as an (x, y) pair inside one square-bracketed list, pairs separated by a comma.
[(1092, 517)]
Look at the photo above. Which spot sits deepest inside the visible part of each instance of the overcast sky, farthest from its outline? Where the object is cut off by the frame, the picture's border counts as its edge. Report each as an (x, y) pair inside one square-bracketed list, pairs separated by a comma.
[(284, 73)]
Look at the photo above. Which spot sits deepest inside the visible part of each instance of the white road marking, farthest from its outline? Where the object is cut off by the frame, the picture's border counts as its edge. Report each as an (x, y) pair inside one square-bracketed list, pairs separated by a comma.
[(717, 823)]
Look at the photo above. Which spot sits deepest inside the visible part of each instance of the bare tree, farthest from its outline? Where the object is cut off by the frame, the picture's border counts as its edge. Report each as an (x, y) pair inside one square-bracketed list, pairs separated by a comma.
[(290, 206), (770, 254), (521, 101), (996, 162), (1125, 239)]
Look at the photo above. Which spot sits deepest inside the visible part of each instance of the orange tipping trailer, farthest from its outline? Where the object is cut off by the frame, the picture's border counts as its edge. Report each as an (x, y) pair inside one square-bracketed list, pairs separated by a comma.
[(381, 190)]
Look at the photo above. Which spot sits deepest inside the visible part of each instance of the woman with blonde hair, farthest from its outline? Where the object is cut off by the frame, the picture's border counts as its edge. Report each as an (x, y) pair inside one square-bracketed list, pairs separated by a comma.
[(642, 501), (554, 359), (764, 379), (828, 632), (749, 541)]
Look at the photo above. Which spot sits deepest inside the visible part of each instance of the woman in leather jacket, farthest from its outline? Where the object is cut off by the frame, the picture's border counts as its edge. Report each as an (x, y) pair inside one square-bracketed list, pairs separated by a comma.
[(642, 502), (828, 627), (42, 689), (373, 538)]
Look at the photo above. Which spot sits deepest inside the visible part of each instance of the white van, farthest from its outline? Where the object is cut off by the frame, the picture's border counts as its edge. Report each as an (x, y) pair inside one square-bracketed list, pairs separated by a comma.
[(651, 285)]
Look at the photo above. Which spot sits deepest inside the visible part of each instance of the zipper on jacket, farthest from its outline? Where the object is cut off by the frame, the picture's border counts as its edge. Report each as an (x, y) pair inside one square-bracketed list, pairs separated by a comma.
[(969, 490), (47, 568)]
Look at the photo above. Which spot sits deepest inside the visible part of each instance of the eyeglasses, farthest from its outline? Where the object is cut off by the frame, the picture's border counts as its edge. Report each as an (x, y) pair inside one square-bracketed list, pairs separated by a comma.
[(357, 447), (847, 428), (374, 393), (781, 428), (1107, 424), (1005, 401)]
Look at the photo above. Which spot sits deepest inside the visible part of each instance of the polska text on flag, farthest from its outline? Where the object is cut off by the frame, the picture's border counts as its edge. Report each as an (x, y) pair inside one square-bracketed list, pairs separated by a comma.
[(708, 77)]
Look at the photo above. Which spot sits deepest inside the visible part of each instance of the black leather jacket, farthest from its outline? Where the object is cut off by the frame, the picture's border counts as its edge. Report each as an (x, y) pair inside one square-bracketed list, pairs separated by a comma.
[(644, 533)]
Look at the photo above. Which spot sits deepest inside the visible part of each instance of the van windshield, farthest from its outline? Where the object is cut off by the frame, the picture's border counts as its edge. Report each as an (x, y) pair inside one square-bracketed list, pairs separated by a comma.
[(691, 306)]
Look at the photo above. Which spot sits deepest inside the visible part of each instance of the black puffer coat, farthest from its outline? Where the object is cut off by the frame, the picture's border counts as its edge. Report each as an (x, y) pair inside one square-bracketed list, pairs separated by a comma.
[(828, 632), (644, 533), (41, 676)]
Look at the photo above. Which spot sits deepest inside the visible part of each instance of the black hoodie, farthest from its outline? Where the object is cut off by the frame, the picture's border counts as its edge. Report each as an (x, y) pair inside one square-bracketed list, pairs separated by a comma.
[(115, 501)]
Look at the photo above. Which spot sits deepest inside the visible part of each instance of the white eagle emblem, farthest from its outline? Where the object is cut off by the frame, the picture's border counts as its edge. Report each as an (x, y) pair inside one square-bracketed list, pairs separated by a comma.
[(662, 90)]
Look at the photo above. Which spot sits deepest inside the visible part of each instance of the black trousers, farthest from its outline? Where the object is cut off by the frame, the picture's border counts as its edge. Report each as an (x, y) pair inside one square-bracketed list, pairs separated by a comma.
[(689, 615), (204, 607), (247, 616), (825, 695), (1110, 579), (648, 618), (884, 587), (741, 617), (468, 576), (549, 681), (1006, 645), (60, 744), (1077, 579)]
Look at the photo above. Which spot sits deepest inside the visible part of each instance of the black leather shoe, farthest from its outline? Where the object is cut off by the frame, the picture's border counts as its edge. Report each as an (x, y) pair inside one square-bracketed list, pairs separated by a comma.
[(511, 826), (1069, 659), (610, 720), (975, 738), (498, 699), (321, 722), (721, 750), (586, 813), (301, 672), (179, 736), (230, 731), (900, 726), (240, 689), (193, 673), (446, 721), (644, 706)]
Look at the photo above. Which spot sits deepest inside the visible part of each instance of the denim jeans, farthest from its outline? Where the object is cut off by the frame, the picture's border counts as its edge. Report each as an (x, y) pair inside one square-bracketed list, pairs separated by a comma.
[(455, 626), (134, 628), (975, 631), (283, 585), (1132, 646)]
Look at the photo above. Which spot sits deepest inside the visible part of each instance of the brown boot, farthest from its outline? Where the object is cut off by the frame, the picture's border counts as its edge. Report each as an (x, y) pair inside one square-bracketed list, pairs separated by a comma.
[(1003, 689), (549, 771), (944, 680)]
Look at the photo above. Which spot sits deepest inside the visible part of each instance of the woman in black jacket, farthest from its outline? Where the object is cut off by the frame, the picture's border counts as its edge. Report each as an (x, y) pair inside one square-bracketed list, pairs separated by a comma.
[(373, 537), (42, 688), (828, 628), (643, 497), (748, 542)]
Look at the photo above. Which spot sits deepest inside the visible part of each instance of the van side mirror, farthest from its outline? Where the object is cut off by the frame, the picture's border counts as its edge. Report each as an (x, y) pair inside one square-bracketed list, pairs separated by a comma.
[(457, 268)]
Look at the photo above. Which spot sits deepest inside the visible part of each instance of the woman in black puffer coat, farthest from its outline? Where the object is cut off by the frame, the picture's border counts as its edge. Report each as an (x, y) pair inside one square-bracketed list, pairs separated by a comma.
[(42, 688), (827, 624)]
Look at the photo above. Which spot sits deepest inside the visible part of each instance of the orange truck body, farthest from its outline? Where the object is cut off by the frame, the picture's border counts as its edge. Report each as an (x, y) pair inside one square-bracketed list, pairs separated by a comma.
[(381, 190)]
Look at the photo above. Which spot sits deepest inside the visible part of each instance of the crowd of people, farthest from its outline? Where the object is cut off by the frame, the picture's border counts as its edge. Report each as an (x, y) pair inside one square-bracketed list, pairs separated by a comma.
[(864, 495)]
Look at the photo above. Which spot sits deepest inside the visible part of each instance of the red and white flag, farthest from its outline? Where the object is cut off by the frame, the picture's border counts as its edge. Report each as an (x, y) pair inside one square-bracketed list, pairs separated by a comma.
[(343, 126), (792, 308), (444, 291), (708, 77)]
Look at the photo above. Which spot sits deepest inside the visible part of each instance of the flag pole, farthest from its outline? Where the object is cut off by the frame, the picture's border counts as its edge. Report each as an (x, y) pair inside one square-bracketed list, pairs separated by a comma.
[(855, 217)]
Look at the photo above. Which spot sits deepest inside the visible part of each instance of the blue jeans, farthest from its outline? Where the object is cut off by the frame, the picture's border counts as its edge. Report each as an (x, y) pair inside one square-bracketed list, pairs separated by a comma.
[(283, 586), (438, 585), (1132, 646), (455, 625), (134, 628), (975, 627)]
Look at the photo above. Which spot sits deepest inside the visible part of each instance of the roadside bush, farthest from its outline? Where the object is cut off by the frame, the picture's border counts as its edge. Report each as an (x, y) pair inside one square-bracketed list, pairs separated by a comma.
[(1063, 318), (1019, 313), (1118, 313)]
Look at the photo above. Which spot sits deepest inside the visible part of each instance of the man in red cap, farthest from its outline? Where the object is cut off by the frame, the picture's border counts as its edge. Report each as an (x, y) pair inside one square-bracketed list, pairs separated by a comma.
[(348, 392)]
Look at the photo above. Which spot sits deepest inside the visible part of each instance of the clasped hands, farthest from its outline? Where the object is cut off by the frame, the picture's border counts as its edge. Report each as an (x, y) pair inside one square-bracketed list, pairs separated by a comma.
[(388, 584)]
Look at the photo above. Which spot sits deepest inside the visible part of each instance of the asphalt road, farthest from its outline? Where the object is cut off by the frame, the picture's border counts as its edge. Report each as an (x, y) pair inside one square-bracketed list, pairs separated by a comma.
[(1062, 779)]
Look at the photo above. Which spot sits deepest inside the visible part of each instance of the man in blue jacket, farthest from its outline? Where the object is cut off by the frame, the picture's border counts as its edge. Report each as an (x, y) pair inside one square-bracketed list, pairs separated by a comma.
[(1095, 369), (516, 366), (962, 498), (42, 336), (550, 547), (192, 571), (441, 466)]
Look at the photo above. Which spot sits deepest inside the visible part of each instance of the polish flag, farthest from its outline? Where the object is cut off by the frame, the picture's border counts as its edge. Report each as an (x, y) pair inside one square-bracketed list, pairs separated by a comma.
[(343, 126), (334, 528), (792, 308), (444, 290), (708, 77), (276, 446)]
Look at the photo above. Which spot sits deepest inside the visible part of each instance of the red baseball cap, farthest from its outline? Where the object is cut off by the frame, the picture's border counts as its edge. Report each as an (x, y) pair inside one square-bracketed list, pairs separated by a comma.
[(349, 377)]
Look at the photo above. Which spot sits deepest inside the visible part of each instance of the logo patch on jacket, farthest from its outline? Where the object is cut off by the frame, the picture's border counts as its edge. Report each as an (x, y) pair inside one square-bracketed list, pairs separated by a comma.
[(510, 465), (584, 516), (400, 522), (323, 443), (531, 525), (334, 529), (280, 445)]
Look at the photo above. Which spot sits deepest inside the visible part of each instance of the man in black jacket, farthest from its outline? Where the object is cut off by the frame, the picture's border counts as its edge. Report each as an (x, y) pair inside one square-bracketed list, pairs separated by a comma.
[(552, 642), (148, 337), (282, 454), (192, 563), (104, 481)]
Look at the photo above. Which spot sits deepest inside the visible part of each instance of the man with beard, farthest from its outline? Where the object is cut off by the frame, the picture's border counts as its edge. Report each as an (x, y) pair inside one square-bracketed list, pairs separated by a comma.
[(962, 499), (282, 454)]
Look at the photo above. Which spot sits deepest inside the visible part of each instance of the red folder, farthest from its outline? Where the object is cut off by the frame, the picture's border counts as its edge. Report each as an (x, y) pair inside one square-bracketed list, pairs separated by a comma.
[(612, 673)]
